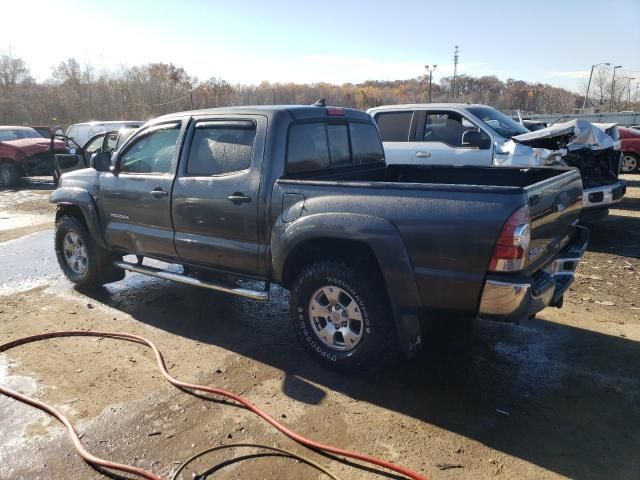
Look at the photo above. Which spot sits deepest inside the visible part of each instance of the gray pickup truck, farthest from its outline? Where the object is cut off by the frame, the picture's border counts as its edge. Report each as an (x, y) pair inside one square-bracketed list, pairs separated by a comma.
[(301, 196)]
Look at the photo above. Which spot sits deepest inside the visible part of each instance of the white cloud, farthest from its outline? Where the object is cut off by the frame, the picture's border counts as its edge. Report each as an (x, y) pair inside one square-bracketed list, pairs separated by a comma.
[(576, 74)]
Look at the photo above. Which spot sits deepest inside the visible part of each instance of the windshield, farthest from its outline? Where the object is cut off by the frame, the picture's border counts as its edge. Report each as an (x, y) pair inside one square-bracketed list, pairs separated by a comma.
[(498, 121), (17, 134)]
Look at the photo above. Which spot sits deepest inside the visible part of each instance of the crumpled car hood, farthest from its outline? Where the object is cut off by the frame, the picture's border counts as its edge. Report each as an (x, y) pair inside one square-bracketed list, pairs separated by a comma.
[(573, 135), (32, 146)]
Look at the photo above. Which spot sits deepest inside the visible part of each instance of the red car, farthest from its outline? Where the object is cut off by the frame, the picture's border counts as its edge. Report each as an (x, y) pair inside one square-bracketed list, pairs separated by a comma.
[(24, 152), (630, 146)]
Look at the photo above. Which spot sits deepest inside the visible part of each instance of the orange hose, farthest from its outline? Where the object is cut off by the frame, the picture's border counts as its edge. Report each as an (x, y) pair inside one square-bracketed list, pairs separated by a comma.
[(189, 386)]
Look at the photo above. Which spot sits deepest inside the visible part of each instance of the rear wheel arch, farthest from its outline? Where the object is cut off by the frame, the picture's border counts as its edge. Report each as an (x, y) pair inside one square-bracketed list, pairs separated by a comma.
[(352, 252)]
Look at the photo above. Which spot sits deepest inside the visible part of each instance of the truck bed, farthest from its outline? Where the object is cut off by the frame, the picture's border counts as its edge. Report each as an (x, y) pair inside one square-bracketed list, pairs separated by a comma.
[(449, 217), (454, 178)]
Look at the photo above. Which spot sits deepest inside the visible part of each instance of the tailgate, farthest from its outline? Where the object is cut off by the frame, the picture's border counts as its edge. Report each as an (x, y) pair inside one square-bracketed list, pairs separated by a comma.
[(555, 205)]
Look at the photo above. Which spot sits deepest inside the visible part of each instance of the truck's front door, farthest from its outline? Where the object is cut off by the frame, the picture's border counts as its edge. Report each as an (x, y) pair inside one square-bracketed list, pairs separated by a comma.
[(135, 200), (442, 138), (215, 197)]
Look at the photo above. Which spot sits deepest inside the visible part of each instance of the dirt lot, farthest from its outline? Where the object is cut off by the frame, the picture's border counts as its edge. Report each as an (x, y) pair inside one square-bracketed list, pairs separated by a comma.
[(553, 397)]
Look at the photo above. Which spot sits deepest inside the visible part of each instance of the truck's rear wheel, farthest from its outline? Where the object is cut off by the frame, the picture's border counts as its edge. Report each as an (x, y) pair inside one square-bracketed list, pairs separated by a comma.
[(82, 261), (9, 174), (341, 317)]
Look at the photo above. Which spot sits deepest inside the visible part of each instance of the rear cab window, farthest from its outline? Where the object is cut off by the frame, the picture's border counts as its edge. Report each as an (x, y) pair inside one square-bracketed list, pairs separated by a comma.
[(318, 146)]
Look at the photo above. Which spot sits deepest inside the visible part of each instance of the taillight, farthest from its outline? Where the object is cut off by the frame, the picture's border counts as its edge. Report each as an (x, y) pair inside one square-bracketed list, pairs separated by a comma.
[(510, 252), (335, 112)]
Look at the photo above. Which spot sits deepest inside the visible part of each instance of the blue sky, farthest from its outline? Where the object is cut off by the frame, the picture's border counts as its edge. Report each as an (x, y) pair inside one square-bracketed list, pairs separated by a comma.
[(240, 41)]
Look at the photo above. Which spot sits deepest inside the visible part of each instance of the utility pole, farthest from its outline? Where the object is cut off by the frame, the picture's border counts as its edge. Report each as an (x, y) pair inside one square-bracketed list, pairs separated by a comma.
[(584, 104), (613, 87), (455, 72), (430, 69)]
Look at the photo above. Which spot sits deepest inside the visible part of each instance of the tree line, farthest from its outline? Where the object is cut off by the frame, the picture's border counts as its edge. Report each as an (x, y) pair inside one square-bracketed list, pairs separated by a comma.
[(78, 92)]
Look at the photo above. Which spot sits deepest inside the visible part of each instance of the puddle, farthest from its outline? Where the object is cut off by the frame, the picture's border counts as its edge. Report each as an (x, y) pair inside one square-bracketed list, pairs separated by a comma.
[(11, 221), (16, 416)]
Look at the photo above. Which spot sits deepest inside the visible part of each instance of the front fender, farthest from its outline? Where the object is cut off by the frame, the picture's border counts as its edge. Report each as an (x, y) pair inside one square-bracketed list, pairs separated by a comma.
[(84, 201), (385, 242)]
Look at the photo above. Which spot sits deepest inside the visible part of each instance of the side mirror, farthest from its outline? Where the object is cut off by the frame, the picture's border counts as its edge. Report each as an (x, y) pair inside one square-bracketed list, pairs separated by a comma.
[(476, 139), (101, 161), (73, 150)]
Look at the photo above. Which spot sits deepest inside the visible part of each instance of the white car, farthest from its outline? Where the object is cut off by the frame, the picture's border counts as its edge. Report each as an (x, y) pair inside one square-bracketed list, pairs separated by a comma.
[(478, 135)]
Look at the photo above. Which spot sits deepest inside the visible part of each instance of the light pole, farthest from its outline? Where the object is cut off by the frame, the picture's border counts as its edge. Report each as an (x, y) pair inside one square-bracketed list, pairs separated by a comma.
[(613, 87), (430, 69), (629, 90), (584, 104)]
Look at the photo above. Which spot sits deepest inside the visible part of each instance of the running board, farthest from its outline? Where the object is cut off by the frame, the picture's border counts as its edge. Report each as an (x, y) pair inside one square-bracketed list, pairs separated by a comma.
[(261, 295)]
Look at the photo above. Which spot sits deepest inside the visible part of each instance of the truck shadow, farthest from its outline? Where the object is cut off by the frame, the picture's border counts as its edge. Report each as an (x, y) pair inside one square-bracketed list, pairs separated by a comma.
[(563, 398), (617, 234), (31, 183)]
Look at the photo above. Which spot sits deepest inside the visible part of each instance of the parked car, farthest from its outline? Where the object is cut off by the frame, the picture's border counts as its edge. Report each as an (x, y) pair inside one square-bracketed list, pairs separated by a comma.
[(24, 152), (48, 132), (80, 157), (630, 146), (81, 132), (466, 134), (301, 196)]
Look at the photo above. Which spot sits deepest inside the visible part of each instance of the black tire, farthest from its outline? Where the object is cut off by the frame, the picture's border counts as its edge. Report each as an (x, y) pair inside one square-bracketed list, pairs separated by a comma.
[(9, 174), (632, 157), (99, 267), (378, 340)]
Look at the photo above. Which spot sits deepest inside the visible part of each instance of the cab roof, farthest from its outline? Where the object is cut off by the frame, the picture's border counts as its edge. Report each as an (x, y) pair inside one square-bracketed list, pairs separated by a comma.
[(297, 112), (406, 106)]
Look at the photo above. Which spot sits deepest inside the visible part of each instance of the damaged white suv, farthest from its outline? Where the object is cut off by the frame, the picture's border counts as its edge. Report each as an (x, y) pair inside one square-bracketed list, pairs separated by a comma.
[(479, 135)]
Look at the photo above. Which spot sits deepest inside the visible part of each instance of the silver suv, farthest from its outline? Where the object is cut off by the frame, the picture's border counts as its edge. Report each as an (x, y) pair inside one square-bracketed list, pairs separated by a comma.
[(81, 132)]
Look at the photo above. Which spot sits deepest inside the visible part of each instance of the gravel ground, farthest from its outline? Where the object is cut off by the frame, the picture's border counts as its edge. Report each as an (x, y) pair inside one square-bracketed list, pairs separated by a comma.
[(553, 397)]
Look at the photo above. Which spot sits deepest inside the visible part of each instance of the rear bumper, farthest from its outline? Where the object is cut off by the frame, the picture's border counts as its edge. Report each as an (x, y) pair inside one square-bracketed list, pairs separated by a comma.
[(604, 196), (504, 300)]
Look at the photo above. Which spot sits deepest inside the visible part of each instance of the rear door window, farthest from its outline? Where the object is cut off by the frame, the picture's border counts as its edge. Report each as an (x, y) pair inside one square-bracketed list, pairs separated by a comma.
[(394, 126), (221, 147)]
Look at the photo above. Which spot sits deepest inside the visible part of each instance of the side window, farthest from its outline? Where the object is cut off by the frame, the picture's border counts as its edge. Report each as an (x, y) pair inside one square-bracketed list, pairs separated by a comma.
[(221, 147), (446, 127), (151, 153), (394, 126), (366, 143), (307, 149)]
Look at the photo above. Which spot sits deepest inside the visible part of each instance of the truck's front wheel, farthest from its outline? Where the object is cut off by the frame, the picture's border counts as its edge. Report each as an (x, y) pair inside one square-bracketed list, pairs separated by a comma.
[(341, 317), (82, 261)]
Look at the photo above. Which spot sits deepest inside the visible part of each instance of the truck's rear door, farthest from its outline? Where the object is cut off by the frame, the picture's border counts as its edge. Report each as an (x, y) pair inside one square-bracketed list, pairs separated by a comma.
[(215, 197), (554, 205)]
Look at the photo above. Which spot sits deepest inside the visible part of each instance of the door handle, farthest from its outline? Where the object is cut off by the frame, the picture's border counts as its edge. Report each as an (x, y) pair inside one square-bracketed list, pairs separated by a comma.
[(239, 197), (158, 193), (423, 154)]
